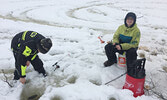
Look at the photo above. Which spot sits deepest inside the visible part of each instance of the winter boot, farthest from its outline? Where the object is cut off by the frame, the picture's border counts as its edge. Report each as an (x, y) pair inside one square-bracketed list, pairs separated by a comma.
[(108, 63)]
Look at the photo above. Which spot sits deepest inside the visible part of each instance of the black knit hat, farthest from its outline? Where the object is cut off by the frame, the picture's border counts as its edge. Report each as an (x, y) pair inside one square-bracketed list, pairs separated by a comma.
[(130, 14), (44, 45)]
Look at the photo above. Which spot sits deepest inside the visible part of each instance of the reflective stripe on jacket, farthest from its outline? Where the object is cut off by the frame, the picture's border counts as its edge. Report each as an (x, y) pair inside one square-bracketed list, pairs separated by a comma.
[(24, 44)]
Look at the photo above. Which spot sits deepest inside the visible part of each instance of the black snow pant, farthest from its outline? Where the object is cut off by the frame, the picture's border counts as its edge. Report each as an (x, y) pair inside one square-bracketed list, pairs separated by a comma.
[(36, 63), (131, 54)]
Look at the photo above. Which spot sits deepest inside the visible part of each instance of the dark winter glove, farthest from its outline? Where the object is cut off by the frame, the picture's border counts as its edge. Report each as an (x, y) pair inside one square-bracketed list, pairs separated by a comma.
[(118, 47)]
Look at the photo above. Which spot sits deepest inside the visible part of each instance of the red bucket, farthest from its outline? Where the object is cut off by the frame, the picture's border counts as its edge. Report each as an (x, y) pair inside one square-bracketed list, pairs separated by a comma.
[(135, 85)]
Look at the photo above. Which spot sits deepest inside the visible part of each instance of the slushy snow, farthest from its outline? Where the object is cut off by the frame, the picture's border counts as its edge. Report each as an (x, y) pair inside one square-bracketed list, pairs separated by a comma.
[(73, 26)]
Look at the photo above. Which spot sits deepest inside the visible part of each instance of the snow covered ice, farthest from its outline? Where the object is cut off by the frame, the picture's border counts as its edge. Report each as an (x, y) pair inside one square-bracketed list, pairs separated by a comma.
[(73, 26)]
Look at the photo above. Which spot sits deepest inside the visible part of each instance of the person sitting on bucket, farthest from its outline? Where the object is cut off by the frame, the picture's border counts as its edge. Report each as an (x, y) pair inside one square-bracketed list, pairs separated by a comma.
[(125, 41), (25, 46)]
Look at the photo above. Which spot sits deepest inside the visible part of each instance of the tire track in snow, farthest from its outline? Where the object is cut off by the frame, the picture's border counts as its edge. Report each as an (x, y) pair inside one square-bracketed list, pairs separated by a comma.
[(24, 18), (71, 12)]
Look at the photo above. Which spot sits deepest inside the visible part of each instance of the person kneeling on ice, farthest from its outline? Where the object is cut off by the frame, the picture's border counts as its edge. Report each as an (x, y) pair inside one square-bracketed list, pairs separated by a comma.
[(125, 40), (25, 47)]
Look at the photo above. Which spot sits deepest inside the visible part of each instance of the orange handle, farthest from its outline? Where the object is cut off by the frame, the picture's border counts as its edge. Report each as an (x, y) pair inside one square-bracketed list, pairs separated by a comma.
[(101, 39)]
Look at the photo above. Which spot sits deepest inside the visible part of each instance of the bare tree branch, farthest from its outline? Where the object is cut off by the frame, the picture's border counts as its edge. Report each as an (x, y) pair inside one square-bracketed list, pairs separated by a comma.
[(6, 79), (152, 89), (159, 95)]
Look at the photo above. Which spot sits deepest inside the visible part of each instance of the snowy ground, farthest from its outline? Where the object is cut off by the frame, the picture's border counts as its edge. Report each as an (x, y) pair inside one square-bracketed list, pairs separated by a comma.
[(73, 26)]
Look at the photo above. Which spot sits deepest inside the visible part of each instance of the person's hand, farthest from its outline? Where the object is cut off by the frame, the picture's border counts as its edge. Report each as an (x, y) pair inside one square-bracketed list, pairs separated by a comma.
[(118, 47), (108, 42), (113, 44), (23, 80), (27, 63)]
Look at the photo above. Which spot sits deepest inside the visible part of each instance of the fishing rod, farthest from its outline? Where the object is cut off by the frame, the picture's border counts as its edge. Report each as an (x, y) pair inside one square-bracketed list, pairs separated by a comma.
[(56, 63), (115, 78), (99, 37)]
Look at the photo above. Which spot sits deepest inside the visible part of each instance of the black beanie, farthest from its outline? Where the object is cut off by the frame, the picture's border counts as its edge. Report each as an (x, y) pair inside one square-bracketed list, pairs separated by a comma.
[(130, 14), (44, 45)]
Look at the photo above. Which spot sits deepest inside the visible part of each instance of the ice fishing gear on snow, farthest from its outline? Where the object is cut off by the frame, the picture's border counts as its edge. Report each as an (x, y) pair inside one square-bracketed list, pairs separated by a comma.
[(99, 37), (135, 85), (115, 78), (135, 77), (56, 64), (136, 69)]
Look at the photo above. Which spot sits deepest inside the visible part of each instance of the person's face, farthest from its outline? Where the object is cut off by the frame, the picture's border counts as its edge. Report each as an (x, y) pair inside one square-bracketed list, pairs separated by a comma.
[(129, 21)]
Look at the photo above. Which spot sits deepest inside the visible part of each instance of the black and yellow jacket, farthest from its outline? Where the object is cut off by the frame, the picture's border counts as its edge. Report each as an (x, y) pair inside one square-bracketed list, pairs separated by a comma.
[(24, 45)]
